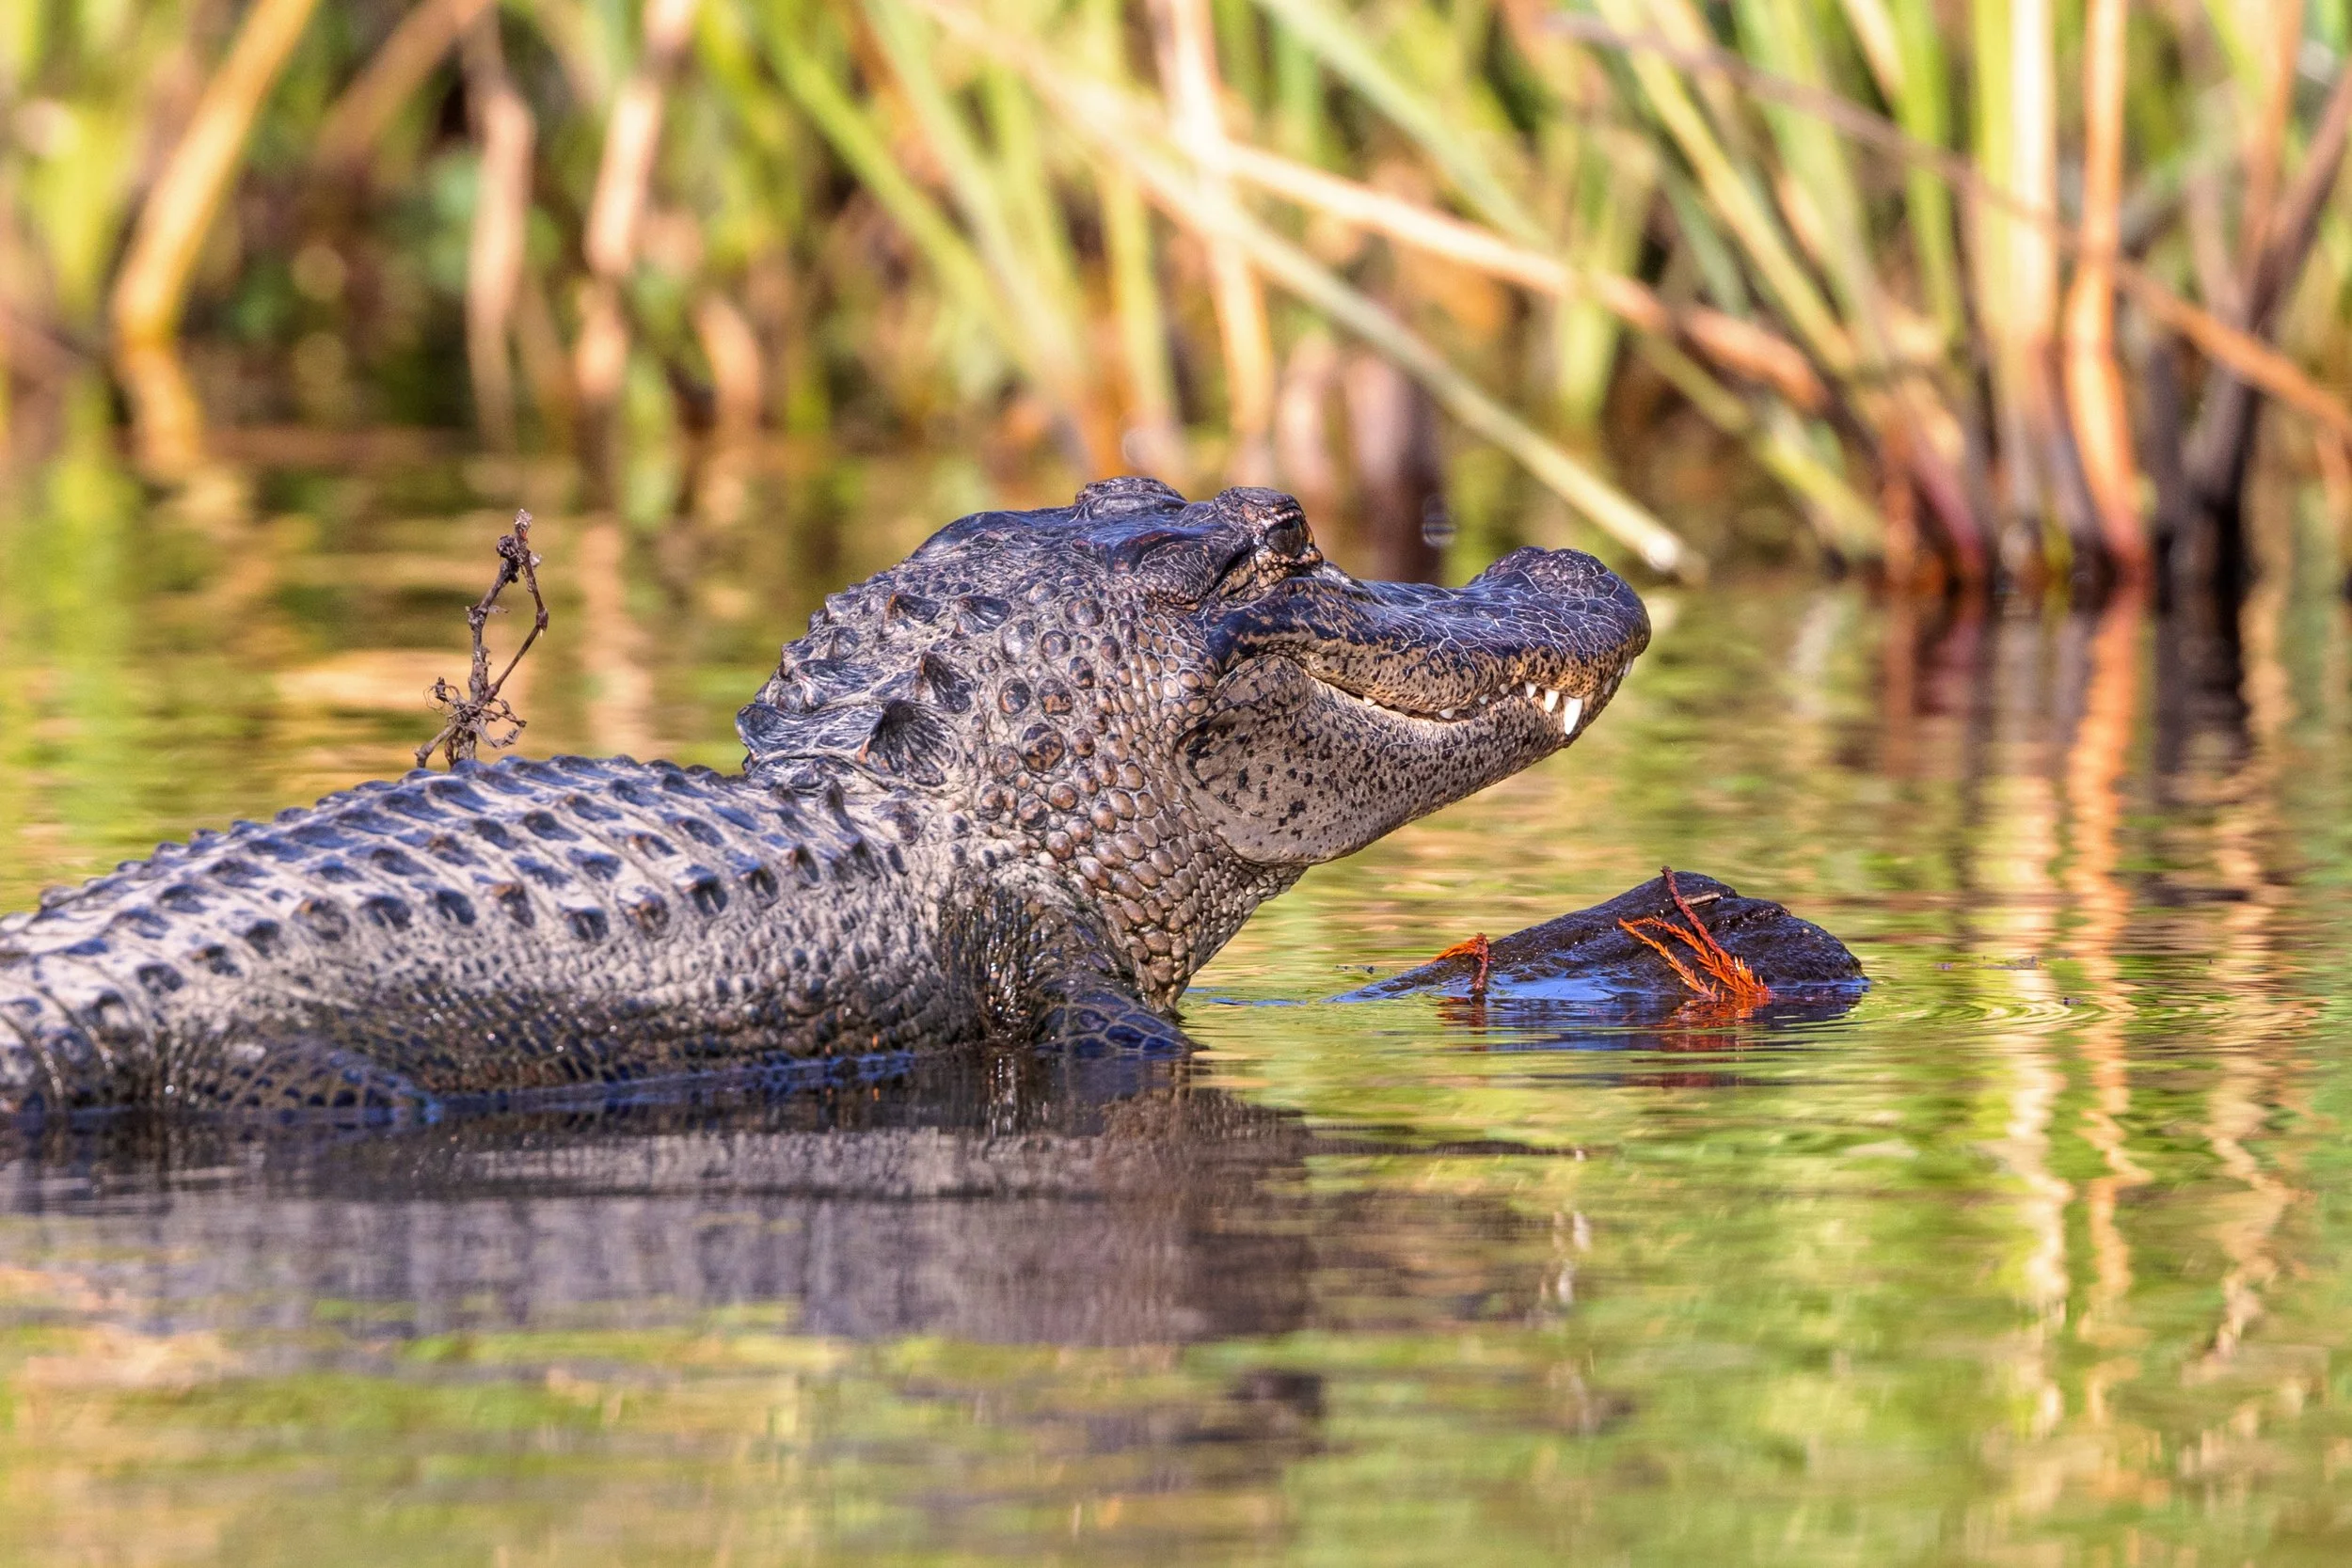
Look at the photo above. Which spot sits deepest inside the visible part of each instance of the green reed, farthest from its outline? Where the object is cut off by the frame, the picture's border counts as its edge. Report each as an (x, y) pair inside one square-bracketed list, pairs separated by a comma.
[(1852, 243)]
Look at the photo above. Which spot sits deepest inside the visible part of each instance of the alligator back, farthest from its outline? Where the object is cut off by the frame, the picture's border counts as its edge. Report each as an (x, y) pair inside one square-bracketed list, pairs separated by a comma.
[(525, 925)]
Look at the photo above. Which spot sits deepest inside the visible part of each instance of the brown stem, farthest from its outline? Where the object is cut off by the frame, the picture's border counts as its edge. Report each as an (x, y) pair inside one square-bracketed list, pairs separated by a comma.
[(632, 135), (2094, 381), (494, 261), (2266, 143), (732, 349), (1302, 430), (2223, 441), (1400, 471)]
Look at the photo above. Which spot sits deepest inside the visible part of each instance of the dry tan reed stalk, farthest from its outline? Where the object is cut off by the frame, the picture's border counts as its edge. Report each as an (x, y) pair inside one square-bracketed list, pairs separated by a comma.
[(539, 343), (151, 290), (2213, 263), (502, 211), (2094, 381), (2021, 315), (2266, 133), (1186, 48), (357, 120), (1302, 426), (732, 349), (631, 138)]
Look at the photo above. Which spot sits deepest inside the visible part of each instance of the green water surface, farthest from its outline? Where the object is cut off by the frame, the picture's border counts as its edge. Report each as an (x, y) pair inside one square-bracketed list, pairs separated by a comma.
[(2043, 1254)]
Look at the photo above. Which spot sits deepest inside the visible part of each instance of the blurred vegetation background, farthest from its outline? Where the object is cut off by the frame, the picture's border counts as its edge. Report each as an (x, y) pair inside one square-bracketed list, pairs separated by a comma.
[(1955, 292)]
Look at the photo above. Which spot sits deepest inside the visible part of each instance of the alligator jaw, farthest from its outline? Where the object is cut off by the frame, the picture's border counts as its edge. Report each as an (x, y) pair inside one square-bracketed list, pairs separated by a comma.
[(1344, 709)]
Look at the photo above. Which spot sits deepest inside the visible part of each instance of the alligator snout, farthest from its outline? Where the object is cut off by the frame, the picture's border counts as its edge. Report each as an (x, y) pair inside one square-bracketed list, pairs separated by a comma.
[(1553, 627)]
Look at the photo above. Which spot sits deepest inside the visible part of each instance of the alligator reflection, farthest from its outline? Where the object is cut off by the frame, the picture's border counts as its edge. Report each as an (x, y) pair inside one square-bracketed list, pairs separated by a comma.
[(1716, 1041), (998, 1199)]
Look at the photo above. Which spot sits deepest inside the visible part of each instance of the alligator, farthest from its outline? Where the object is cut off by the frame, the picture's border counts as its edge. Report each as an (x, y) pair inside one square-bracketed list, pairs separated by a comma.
[(1019, 787)]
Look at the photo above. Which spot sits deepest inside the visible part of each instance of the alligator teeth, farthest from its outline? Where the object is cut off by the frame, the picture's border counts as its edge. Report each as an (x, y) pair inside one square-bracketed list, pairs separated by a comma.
[(1445, 713), (1531, 691), (1551, 700), (1570, 714)]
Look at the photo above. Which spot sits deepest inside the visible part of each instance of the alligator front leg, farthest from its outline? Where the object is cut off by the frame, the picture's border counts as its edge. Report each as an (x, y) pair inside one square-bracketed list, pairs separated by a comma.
[(1042, 970), (1090, 1014)]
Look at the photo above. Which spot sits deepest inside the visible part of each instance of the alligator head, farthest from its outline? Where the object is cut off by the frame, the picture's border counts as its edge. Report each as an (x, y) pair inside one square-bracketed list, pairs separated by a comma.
[(1174, 707)]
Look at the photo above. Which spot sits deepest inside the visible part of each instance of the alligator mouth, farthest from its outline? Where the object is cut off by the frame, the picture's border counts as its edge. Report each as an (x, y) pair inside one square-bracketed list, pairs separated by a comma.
[(1562, 708), (1547, 633), (1343, 709)]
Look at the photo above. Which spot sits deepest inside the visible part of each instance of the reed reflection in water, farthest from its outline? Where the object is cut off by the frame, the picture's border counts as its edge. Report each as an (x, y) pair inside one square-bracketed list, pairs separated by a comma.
[(2039, 1253)]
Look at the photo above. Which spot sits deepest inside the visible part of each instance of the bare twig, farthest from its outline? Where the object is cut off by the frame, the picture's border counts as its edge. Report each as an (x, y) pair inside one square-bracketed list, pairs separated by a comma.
[(472, 716), (1727, 978), (1480, 952)]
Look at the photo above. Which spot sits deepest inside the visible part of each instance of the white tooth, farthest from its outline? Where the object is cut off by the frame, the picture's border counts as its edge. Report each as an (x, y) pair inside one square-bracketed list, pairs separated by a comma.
[(1531, 691), (1445, 713), (1551, 700), (1570, 714)]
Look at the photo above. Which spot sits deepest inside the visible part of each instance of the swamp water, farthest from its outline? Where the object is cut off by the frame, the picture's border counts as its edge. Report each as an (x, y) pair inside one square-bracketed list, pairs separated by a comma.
[(2041, 1254)]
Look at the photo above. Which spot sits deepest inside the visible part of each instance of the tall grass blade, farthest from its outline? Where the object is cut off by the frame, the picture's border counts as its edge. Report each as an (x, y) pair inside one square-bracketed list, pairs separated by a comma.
[(848, 127), (1733, 200), (1188, 69), (1338, 41), (1056, 350), (1154, 440), (1103, 120), (1922, 105)]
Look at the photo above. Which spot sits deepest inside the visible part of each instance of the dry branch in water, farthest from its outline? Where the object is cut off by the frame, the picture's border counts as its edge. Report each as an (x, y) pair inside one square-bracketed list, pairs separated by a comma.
[(472, 716)]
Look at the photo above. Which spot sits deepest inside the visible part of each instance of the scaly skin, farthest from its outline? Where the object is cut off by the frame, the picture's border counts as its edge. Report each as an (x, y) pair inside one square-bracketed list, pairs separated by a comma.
[(1019, 787)]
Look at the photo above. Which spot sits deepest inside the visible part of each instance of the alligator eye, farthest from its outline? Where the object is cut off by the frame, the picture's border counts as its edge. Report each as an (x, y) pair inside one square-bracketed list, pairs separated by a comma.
[(1287, 535)]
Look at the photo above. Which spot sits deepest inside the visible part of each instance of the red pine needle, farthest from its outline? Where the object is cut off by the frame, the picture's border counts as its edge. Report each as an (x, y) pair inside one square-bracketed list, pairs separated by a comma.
[(1732, 980)]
